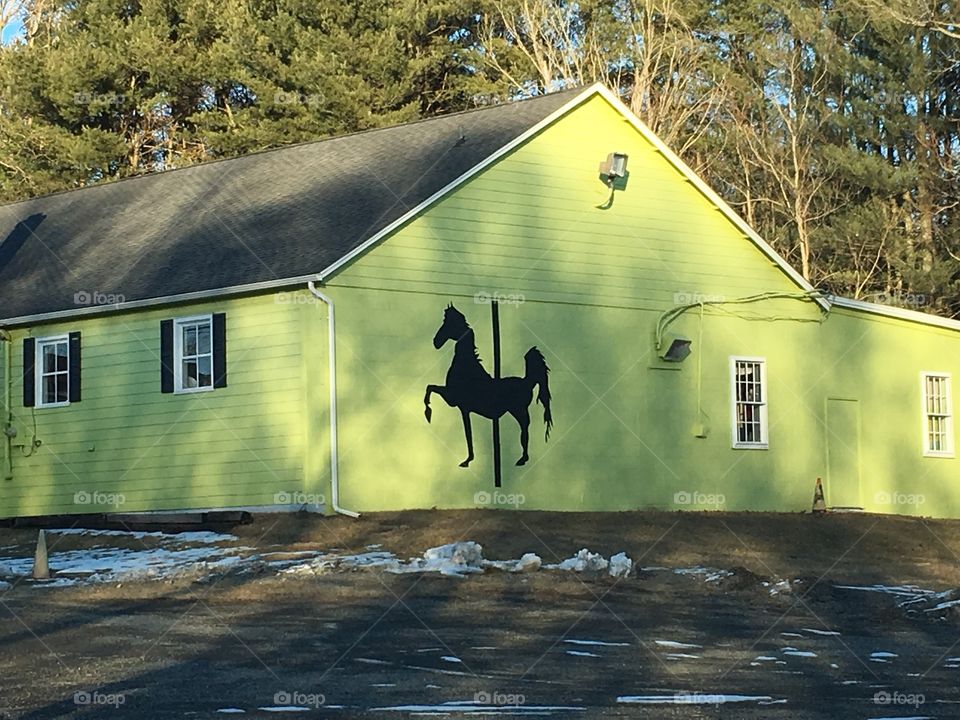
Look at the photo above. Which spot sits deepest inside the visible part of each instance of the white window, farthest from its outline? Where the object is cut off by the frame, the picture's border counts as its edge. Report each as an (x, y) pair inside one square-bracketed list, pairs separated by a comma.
[(53, 371), (937, 414), (193, 354), (748, 380)]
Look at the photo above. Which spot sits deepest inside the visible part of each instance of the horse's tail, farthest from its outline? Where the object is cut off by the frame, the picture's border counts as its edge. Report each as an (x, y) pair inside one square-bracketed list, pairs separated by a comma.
[(537, 374)]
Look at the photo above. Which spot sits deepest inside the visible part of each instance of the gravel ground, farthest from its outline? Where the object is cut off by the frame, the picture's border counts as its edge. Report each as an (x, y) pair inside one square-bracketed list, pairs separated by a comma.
[(771, 635)]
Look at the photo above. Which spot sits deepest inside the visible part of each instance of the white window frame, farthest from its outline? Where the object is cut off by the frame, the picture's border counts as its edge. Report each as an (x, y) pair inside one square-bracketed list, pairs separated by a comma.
[(949, 451), (736, 443), (38, 373), (178, 323)]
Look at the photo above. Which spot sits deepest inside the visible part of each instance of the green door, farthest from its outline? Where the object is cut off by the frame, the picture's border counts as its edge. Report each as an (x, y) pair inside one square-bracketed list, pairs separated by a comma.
[(843, 453)]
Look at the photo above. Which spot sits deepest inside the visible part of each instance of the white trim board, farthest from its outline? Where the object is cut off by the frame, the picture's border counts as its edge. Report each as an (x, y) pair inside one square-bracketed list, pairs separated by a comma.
[(896, 312)]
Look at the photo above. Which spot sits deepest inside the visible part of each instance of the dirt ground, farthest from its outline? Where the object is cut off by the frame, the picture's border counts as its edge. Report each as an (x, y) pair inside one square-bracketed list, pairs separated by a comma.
[(657, 644)]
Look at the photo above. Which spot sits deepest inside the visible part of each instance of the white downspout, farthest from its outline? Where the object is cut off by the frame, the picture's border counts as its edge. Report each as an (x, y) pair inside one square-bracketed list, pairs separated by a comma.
[(6, 423), (332, 363)]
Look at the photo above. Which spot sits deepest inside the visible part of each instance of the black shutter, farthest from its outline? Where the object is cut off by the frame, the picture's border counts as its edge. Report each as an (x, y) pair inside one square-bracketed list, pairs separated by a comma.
[(166, 356), (219, 350), (29, 370), (74, 367)]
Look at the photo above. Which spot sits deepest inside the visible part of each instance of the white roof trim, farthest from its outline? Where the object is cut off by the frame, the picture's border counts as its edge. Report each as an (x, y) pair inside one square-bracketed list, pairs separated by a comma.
[(896, 312), (93, 310), (708, 192)]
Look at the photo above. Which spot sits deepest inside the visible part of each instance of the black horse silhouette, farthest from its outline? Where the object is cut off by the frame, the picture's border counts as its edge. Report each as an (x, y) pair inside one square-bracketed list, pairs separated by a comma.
[(471, 389)]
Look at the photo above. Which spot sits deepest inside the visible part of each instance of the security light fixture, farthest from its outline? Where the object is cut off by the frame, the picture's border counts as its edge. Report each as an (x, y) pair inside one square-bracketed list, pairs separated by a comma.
[(674, 348), (614, 167)]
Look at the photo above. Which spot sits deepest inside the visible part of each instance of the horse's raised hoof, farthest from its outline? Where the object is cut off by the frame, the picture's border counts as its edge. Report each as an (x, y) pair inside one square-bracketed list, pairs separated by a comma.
[(466, 463), (428, 412), (523, 460)]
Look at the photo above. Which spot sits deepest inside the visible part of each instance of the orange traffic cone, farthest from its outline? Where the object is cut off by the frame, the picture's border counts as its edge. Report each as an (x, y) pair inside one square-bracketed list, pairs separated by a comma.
[(819, 504)]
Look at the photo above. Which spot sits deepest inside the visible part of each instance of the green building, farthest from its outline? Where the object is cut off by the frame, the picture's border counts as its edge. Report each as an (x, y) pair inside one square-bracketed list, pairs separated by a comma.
[(262, 331)]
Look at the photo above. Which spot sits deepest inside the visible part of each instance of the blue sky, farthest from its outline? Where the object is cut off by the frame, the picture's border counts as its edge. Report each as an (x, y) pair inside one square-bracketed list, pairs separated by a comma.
[(11, 31)]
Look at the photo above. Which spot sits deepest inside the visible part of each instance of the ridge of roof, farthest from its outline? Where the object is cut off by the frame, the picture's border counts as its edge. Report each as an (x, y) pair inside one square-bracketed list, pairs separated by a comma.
[(293, 146)]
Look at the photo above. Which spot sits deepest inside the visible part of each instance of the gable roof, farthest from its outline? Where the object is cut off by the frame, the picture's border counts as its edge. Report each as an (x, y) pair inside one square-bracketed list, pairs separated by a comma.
[(271, 218), (282, 217)]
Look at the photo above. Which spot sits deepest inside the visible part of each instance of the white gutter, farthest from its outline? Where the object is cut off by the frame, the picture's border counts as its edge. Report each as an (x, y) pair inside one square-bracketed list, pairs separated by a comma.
[(332, 363)]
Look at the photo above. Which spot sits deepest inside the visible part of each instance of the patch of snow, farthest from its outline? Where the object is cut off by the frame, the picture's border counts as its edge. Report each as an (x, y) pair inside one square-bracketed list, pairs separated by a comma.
[(791, 634), (582, 653), (599, 643), (792, 651), (709, 574), (583, 561), (231, 711), (814, 631), (528, 562), (193, 536), (451, 659), (691, 699), (371, 661), (473, 707), (676, 645), (781, 586), (882, 654), (682, 656), (620, 565)]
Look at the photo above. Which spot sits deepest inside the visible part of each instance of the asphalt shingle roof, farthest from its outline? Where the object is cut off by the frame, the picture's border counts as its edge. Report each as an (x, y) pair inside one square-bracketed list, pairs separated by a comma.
[(268, 216)]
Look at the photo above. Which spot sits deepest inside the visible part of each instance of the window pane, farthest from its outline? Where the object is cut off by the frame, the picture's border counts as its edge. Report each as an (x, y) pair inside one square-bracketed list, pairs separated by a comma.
[(190, 340), (49, 358), (62, 380), (49, 389), (206, 376), (203, 339), (189, 373), (61, 349)]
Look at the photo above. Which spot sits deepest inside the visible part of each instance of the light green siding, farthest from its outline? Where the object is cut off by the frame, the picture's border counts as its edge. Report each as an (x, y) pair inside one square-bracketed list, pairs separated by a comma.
[(585, 282), (239, 445), (878, 361), (590, 285)]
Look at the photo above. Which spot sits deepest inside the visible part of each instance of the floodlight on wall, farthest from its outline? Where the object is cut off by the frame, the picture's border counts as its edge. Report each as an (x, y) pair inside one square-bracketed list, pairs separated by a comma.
[(674, 348), (613, 168)]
